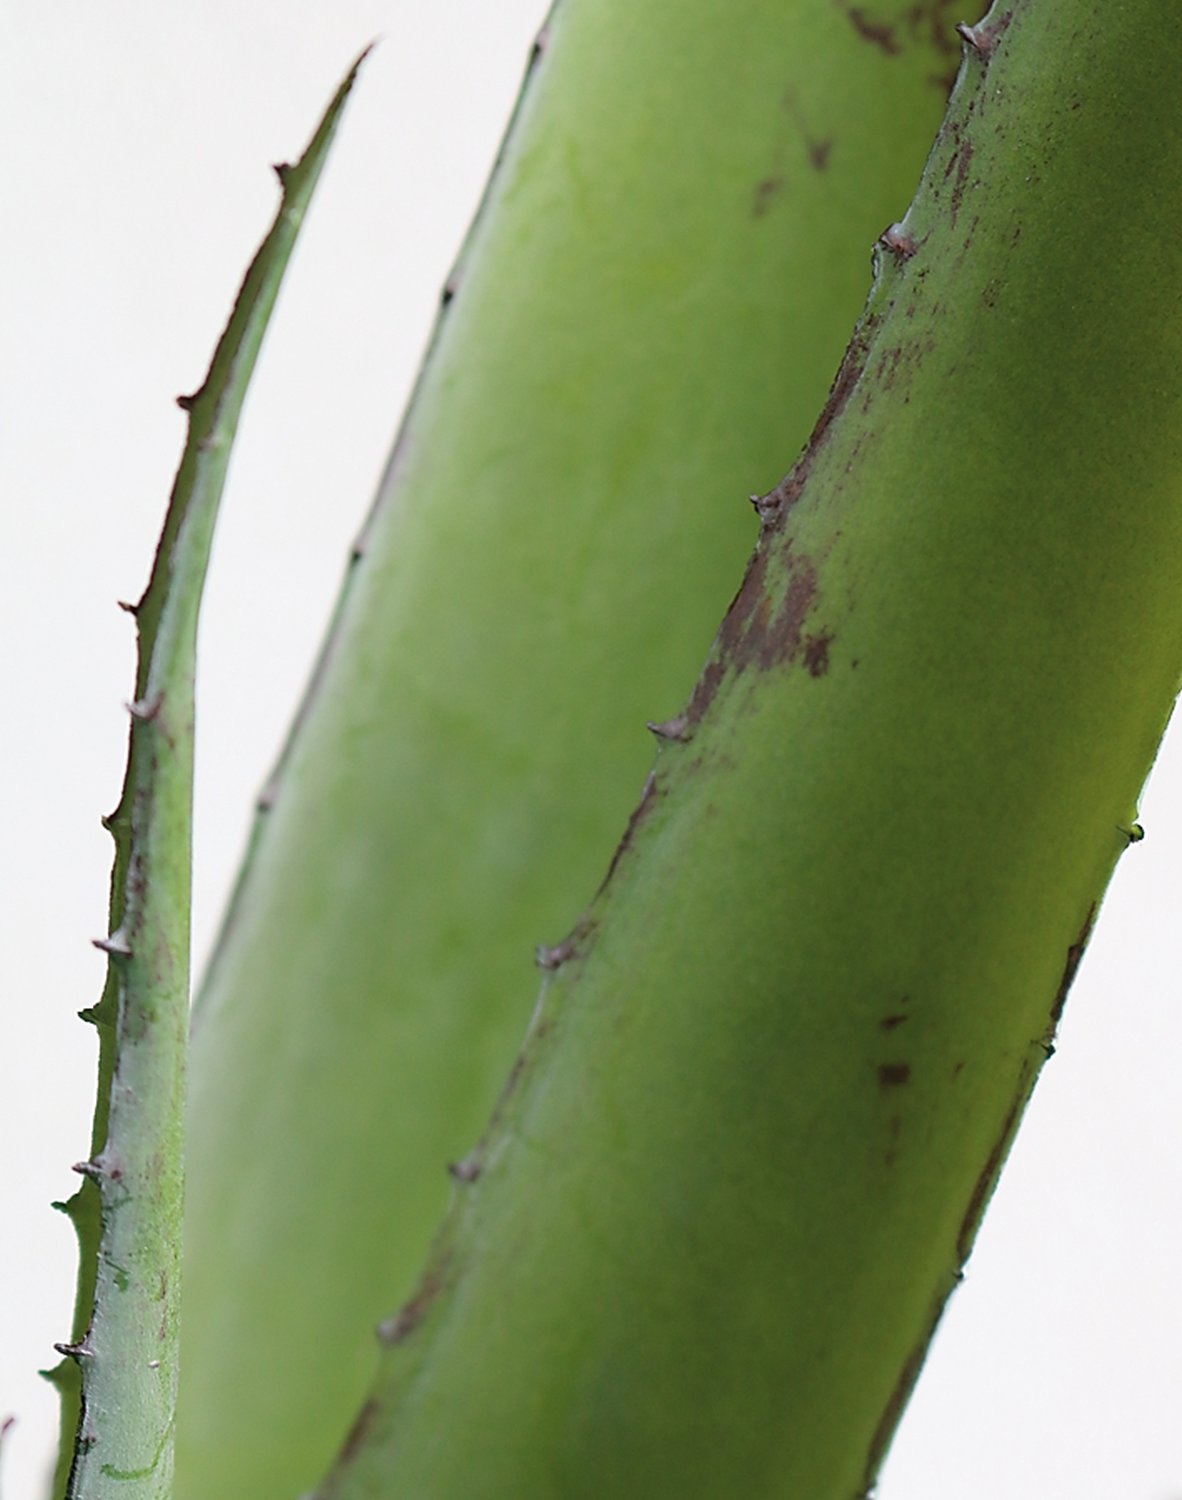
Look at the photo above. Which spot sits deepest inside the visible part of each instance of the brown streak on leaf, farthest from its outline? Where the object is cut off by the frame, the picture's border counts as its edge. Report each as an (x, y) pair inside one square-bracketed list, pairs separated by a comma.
[(1074, 954), (394, 1330), (877, 33), (986, 1179), (358, 1432), (648, 800), (816, 653), (897, 1400), (765, 191)]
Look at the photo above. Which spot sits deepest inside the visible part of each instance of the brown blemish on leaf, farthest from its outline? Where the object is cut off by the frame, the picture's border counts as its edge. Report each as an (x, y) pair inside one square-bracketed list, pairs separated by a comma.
[(648, 800), (927, 24), (816, 148), (931, 22), (851, 367), (1074, 953), (896, 1018), (394, 1330), (541, 43), (766, 191), (960, 162), (897, 1400), (816, 653), (359, 1431), (877, 33), (893, 1074), (749, 633), (780, 640), (986, 1178)]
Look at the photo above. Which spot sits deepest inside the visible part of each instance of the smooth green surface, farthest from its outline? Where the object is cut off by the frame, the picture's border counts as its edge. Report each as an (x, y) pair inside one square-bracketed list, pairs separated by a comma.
[(645, 318), (765, 1101), (119, 1375)]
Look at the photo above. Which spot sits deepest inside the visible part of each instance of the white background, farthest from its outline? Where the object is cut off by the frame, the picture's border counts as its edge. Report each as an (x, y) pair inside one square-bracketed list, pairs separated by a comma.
[(136, 139)]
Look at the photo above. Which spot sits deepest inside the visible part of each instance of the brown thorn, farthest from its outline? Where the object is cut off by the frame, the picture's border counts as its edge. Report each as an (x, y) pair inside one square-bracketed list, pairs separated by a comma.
[(766, 506), (466, 1170), (675, 728)]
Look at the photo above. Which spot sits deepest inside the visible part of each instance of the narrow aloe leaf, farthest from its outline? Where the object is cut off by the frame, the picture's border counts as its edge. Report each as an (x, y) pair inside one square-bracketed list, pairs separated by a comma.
[(119, 1373), (776, 1068), (645, 318)]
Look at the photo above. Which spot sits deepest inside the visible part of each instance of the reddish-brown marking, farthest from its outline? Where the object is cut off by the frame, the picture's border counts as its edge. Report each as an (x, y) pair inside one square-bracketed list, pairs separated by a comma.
[(817, 149), (765, 191), (412, 1313), (816, 653), (780, 641), (648, 800), (877, 33), (896, 1401), (1074, 954), (359, 1431), (927, 24), (986, 1179), (932, 23), (963, 167), (893, 1074), (896, 1018)]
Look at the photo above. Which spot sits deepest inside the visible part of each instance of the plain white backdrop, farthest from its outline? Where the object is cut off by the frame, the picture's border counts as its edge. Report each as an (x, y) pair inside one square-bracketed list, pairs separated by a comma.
[(136, 185)]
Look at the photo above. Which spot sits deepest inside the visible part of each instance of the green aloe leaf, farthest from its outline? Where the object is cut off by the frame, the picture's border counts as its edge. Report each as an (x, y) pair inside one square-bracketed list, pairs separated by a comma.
[(119, 1372), (774, 1073), (639, 329)]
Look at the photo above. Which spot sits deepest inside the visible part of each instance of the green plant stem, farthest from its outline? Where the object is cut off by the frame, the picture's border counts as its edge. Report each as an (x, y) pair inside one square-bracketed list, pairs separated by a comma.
[(774, 1073), (120, 1371)]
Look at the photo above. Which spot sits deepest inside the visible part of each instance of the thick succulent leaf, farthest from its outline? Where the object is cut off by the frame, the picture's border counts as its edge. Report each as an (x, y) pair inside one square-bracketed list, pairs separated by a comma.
[(774, 1073), (639, 330), (119, 1371)]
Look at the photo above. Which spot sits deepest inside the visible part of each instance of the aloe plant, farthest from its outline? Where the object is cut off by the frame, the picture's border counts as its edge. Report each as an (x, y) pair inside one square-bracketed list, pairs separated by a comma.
[(819, 653)]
